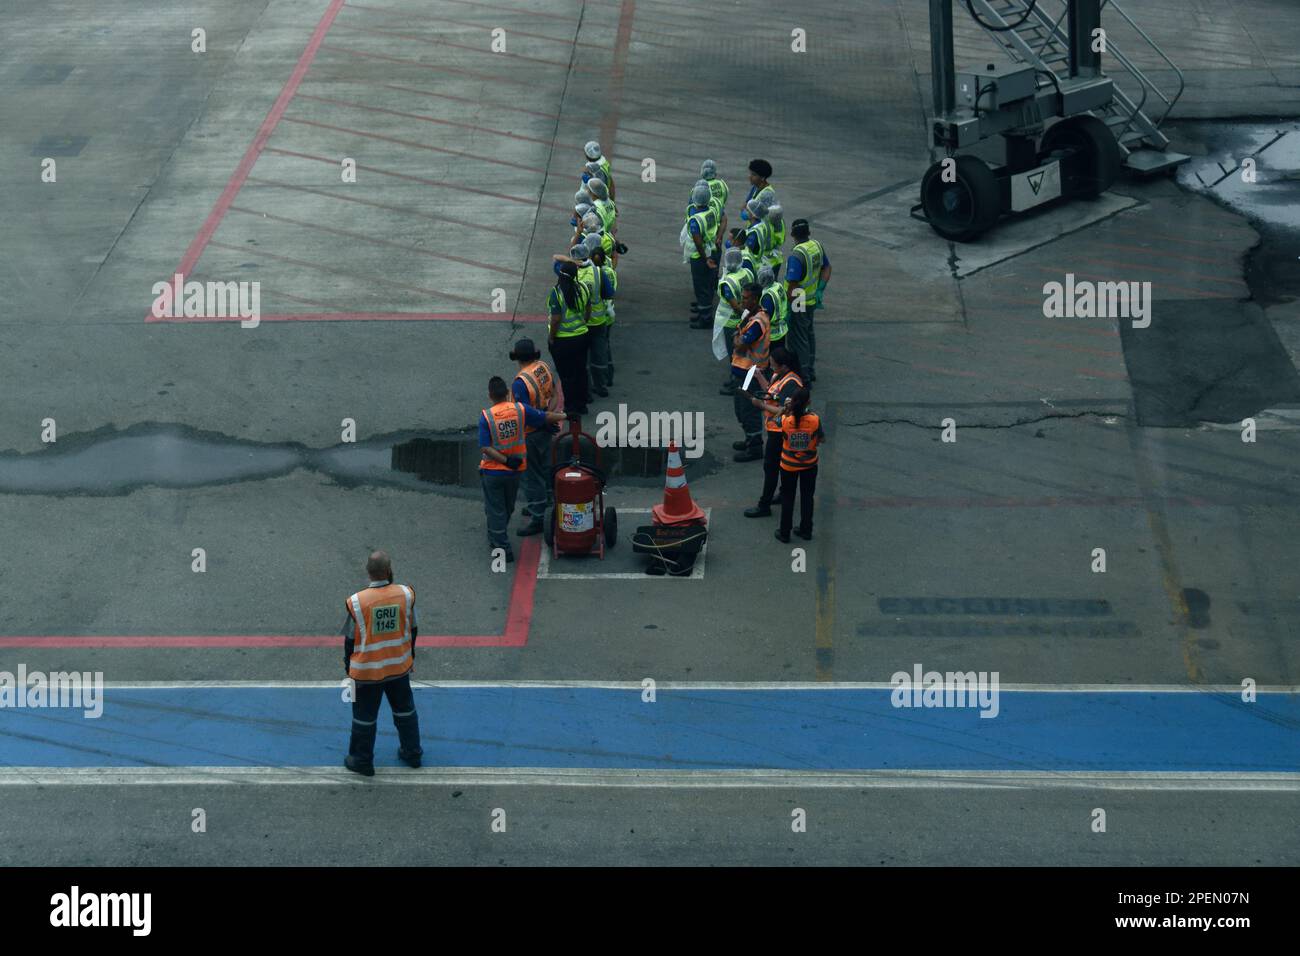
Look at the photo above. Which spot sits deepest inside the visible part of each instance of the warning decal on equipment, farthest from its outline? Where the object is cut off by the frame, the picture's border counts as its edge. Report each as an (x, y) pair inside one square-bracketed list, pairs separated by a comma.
[(579, 517), (1035, 187)]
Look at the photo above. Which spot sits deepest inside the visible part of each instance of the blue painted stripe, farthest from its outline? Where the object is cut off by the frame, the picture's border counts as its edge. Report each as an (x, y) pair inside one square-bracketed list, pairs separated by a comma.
[(822, 729)]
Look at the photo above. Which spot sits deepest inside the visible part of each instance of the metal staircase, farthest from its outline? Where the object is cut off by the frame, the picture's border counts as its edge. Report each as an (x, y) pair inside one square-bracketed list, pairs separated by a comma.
[(1042, 42)]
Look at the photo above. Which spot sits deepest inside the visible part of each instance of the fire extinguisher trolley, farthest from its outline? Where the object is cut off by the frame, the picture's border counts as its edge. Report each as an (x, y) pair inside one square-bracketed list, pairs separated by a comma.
[(579, 522)]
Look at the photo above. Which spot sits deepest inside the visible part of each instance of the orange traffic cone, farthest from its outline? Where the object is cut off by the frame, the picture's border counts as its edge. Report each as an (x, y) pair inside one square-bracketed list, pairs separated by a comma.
[(678, 508)]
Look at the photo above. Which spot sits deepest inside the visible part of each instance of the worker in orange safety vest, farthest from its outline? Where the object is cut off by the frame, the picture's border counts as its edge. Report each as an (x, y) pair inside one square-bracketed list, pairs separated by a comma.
[(378, 654)]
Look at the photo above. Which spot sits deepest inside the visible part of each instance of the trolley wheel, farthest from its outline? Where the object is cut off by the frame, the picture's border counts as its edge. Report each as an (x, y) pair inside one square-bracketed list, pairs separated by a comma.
[(548, 528), (1094, 164), (611, 527), (962, 209)]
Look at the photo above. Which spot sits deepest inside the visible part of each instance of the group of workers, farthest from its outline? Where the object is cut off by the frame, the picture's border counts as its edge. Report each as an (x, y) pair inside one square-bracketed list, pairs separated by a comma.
[(764, 326)]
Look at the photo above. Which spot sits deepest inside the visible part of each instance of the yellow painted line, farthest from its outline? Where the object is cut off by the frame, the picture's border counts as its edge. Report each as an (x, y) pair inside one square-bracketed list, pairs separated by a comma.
[(1170, 578), (824, 647)]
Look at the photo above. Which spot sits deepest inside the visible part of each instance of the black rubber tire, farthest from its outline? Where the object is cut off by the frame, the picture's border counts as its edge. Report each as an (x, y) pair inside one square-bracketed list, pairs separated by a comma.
[(1094, 161), (611, 527), (963, 209), (548, 528)]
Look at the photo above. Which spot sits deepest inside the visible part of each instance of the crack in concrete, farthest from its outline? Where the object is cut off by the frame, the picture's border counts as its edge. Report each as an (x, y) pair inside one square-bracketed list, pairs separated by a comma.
[(985, 425)]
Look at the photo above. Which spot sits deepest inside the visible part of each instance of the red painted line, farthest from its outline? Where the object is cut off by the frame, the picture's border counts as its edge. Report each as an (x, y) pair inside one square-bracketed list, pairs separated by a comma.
[(617, 73), (461, 46), (419, 179), (378, 242), (439, 67), (1104, 353), (519, 614), (380, 205), (335, 270), (392, 316), (422, 117), (507, 9), (406, 15), (478, 104), (236, 182), (413, 144), (519, 617)]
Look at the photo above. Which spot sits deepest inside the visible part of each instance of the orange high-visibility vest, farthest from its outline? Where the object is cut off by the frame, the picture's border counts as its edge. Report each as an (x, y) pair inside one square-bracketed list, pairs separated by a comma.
[(382, 646), (773, 397), (799, 446), (506, 422), (743, 356), (540, 382)]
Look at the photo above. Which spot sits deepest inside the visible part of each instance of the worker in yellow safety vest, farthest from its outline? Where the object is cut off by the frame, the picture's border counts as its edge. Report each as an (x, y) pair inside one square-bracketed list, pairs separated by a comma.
[(378, 653), (700, 243)]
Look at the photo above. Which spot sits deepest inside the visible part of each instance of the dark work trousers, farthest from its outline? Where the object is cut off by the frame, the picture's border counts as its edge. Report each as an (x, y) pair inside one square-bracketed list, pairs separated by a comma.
[(609, 351), (771, 469), (535, 481), (499, 491), (570, 357), (806, 481), (750, 418), (598, 355), (801, 339), (365, 717), (705, 281)]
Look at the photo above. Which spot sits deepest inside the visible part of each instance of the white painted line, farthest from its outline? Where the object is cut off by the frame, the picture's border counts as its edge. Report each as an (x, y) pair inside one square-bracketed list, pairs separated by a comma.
[(721, 685), (697, 571), (649, 779)]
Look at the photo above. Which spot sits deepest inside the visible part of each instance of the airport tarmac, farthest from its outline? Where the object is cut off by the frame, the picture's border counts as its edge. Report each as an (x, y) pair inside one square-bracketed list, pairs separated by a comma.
[(388, 302)]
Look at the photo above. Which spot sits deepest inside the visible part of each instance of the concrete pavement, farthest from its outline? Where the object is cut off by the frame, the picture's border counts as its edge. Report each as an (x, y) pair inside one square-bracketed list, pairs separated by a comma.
[(466, 162)]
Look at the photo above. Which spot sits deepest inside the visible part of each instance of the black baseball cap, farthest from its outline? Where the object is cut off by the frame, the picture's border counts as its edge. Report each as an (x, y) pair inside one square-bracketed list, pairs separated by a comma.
[(525, 349)]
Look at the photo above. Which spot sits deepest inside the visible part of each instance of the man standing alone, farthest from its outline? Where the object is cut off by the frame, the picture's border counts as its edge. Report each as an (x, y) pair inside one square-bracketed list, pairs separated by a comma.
[(378, 654)]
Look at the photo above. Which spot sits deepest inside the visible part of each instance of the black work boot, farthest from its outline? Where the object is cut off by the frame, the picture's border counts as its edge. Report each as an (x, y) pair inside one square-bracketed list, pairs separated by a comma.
[(356, 766), (806, 535), (533, 527), (760, 511), (782, 536), (740, 445), (752, 452)]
